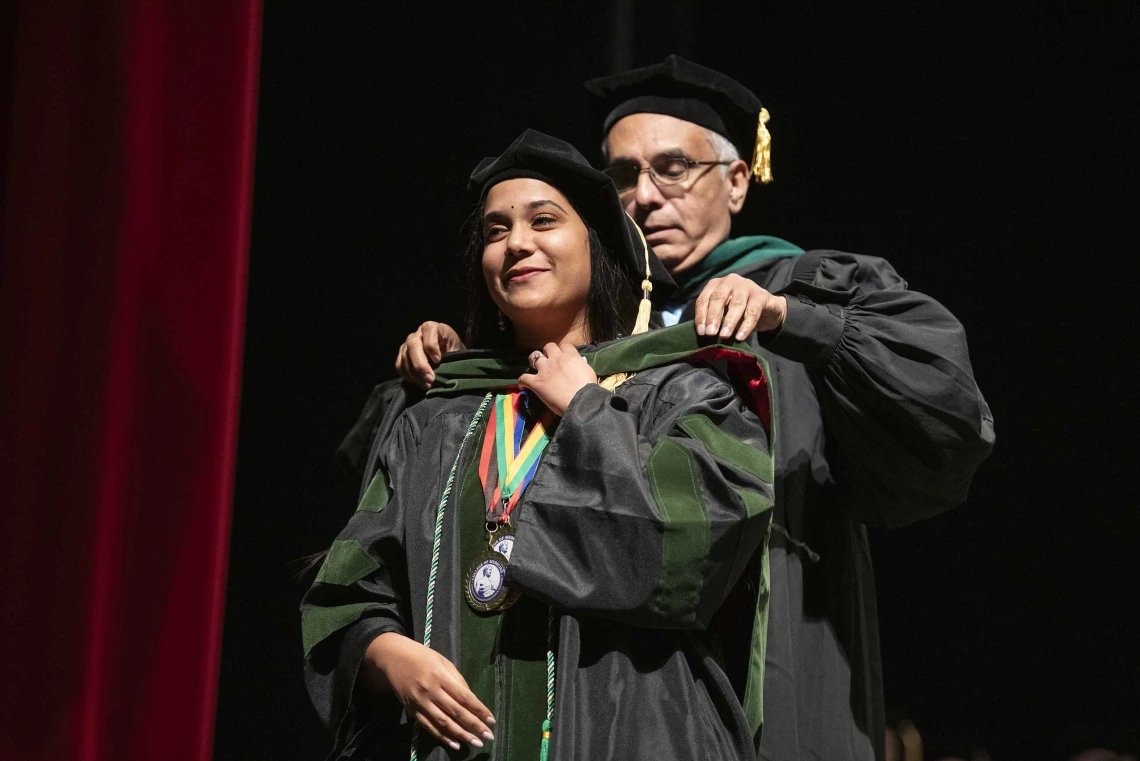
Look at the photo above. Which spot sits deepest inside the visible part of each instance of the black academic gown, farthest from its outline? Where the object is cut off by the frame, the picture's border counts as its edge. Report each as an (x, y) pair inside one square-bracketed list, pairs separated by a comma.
[(647, 508), (881, 423)]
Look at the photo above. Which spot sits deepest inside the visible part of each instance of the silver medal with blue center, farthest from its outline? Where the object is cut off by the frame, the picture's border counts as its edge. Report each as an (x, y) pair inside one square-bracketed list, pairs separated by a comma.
[(486, 582)]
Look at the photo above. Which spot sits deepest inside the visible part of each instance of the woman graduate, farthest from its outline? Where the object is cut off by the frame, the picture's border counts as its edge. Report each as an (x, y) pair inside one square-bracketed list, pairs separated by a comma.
[(537, 565)]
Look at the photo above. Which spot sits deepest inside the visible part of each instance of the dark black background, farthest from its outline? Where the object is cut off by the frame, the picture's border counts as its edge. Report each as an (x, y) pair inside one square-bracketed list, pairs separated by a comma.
[(988, 150)]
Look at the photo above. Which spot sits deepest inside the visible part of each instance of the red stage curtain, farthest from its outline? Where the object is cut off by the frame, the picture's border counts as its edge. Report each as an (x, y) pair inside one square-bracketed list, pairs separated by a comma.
[(127, 161)]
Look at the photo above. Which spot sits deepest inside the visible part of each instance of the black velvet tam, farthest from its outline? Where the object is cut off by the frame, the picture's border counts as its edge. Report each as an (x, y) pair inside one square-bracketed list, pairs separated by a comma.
[(539, 156), (682, 89)]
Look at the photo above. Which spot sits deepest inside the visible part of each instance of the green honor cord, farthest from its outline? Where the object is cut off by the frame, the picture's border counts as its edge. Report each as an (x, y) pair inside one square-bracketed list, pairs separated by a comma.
[(435, 548), (544, 750), (435, 545)]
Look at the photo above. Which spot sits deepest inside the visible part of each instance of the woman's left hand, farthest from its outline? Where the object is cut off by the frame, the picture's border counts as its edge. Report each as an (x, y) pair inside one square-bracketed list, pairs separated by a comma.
[(560, 372)]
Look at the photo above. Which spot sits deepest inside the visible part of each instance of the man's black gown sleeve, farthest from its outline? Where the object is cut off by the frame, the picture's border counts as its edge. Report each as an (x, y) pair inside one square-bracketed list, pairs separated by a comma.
[(896, 388)]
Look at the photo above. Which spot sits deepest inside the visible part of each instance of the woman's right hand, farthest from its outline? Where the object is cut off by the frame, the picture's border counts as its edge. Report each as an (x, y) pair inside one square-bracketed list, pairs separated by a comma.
[(430, 687), (424, 349)]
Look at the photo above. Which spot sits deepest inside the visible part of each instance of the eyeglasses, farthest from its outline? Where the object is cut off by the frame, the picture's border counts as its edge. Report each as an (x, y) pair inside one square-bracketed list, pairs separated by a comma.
[(664, 171)]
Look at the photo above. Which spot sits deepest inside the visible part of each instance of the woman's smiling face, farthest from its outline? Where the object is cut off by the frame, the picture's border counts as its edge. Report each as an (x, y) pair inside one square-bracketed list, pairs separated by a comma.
[(536, 255)]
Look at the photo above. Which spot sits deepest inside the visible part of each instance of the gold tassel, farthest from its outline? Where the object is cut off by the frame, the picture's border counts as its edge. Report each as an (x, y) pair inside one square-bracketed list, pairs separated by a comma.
[(610, 382), (644, 310), (641, 325), (762, 155)]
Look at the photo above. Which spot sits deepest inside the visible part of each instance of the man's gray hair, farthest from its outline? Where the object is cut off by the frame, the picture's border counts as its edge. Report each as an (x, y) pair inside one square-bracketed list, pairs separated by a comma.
[(724, 149), (721, 145)]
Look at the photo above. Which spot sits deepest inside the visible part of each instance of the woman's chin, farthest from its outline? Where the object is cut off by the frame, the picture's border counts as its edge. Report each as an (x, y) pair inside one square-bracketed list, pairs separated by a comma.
[(531, 320), (543, 317), (524, 301)]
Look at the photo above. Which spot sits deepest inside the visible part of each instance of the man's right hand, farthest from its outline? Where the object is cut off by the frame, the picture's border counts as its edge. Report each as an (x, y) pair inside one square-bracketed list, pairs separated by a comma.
[(430, 687), (423, 350)]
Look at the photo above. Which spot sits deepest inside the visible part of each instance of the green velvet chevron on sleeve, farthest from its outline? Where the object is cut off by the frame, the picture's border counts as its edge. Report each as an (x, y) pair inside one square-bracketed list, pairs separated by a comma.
[(318, 624), (728, 449), (677, 492), (347, 563), (377, 495)]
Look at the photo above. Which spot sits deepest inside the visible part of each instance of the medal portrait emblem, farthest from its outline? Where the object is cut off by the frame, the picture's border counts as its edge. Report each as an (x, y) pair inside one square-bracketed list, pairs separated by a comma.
[(503, 545), (485, 583)]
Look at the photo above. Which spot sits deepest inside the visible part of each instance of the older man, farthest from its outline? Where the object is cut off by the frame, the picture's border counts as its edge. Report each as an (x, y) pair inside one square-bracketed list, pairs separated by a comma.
[(879, 419)]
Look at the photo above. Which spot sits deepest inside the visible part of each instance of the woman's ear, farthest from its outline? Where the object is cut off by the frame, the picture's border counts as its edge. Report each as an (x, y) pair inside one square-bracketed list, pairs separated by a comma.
[(738, 177)]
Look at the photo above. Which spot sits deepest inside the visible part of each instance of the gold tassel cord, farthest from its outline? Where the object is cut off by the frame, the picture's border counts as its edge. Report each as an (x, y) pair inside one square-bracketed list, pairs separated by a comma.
[(644, 310), (762, 155), (641, 325)]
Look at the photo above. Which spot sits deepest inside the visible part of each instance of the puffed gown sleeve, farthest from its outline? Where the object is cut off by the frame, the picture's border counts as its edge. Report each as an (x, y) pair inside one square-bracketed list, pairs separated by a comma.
[(646, 510), (896, 387)]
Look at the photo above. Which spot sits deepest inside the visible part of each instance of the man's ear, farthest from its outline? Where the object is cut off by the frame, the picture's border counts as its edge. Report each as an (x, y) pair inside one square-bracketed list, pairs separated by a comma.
[(738, 177)]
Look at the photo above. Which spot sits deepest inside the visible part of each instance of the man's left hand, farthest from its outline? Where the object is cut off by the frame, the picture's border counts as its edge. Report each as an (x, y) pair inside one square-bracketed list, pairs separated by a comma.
[(560, 372), (734, 303)]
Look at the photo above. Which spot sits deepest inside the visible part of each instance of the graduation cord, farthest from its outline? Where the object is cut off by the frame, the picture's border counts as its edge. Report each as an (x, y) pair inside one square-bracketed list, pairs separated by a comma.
[(544, 750), (813, 556), (435, 546)]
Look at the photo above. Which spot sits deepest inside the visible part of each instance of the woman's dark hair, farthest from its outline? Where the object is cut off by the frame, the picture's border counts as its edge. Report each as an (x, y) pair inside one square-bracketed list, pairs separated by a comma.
[(611, 302)]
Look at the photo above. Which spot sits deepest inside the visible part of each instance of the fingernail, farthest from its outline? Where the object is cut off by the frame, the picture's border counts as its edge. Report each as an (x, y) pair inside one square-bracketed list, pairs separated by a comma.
[(476, 742), (488, 736), (741, 336), (712, 326), (453, 745), (726, 332), (489, 720)]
